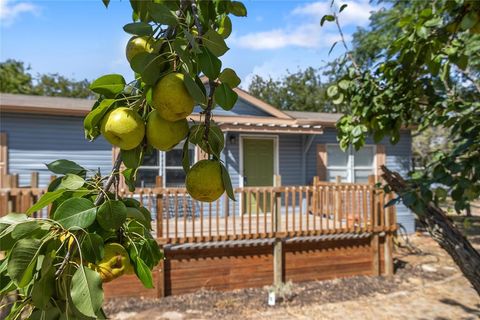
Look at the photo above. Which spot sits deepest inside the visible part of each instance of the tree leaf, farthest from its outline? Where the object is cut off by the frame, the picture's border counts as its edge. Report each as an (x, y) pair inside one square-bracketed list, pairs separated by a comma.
[(71, 182), (132, 158), (22, 261), (197, 94), (342, 7), (138, 28), (94, 118), (86, 291), (229, 77), (162, 14), (227, 183), (130, 176), (76, 213), (149, 65), (25, 228), (109, 85), (92, 247), (106, 3), (64, 166), (225, 27), (225, 97), (45, 200), (331, 48), (44, 288), (112, 214), (237, 9), (143, 273), (209, 63), (332, 91), (327, 17), (214, 42)]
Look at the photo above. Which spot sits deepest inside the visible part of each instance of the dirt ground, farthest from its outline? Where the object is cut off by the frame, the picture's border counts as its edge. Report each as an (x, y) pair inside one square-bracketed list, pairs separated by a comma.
[(426, 285)]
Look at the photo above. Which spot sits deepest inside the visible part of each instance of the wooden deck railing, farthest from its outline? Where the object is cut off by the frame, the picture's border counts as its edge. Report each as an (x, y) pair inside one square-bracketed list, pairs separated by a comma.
[(258, 213)]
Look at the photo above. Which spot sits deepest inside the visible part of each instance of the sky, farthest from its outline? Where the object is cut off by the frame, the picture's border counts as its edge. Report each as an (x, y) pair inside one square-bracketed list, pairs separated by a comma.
[(83, 40)]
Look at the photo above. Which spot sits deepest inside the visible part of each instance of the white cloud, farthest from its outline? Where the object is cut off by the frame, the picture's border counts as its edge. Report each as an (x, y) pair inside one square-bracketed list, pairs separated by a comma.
[(11, 10), (357, 12), (307, 33)]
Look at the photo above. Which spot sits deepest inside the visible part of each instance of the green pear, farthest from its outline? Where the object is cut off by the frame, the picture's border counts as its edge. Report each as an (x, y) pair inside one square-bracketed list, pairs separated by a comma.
[(204, 181), (163, 134), (171, 98), (137, 45), (123, 128)]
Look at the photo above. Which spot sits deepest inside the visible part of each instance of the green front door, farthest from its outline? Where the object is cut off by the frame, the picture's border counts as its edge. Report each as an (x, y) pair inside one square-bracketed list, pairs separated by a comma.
[(258, 169)]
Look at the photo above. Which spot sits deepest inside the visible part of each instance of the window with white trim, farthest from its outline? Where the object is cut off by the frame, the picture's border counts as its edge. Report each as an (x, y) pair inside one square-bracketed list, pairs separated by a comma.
[(350, 165), (166, 164)]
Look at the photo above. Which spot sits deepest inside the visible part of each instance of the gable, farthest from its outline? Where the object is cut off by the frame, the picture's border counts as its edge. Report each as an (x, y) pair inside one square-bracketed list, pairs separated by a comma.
[(241, 108)]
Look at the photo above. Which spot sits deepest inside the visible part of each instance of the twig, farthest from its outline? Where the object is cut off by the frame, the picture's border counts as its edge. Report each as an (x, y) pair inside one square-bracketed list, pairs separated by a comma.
[(342, 37), (111, 179), (208, 111)]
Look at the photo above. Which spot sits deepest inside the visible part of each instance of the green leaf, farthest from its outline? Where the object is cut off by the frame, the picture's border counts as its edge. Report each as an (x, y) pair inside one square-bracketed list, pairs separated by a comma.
[(192, 88), (216, 141), (186, 156), (22, 261), (94, 118), (76, 213), (130, 176), (469, 20), (225, 97), (332, 47), (227, 183), (106, 3), (138, 28), (143, 273), (161, 14), (149, 65), (13, 218), (209, 63), (64, 166), (132, 158), (225, 27), (342, 7), (327, 17), (214, 42), (332, 91), (71, 182), (45, 200), (25, 228), (229, 77), (86, 291), (237, 9), (44, 288), (112, 214), (109, 85), (92, 247)]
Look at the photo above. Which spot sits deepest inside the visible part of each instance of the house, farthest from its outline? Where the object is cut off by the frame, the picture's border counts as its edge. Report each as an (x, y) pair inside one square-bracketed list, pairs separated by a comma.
[(261, 141)]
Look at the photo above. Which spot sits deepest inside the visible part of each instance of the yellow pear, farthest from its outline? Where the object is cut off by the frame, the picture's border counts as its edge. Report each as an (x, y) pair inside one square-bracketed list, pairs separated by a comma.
[(123, 128), (137, 45), (163, 134), (204, 181), (114, 264), (171, 98)]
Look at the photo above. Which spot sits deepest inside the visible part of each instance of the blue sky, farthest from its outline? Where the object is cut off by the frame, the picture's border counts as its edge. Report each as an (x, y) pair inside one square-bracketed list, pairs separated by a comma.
[(82, 39)]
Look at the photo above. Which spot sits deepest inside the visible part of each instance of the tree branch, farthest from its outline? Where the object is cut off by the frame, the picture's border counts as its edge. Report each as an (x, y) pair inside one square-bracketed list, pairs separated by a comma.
[(111, 179)]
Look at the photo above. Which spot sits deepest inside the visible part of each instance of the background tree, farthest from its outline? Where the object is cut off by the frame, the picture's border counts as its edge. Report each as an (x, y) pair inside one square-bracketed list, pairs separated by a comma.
[(16, 78), (299, 91), (426, 75)]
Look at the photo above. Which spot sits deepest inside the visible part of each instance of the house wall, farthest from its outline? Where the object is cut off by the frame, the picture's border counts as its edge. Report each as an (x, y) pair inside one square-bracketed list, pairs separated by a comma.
[(35, 140), (291, 146)]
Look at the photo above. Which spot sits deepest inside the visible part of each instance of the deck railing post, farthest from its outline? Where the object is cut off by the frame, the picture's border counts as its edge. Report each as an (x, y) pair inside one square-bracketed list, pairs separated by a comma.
[(374, 241), (388, 246), (278, 261)]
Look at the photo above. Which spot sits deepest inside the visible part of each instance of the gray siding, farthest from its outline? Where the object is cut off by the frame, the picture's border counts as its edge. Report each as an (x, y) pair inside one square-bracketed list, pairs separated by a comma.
[(34, 140), (291, 161)]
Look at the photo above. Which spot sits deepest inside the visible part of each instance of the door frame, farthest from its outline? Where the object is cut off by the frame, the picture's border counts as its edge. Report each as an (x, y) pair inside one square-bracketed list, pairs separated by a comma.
[(275, 139)]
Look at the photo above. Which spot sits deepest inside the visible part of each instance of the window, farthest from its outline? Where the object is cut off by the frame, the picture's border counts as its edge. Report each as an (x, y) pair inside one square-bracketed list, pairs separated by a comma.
[(166, 164), (351, 165)]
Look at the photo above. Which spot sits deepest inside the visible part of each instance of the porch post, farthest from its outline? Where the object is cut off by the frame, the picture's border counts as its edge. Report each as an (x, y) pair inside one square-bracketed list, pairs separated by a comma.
[(278, 265)]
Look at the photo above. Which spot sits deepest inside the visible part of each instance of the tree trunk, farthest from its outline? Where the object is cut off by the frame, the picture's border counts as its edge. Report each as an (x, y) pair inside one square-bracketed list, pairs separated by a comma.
[(442, 230)]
